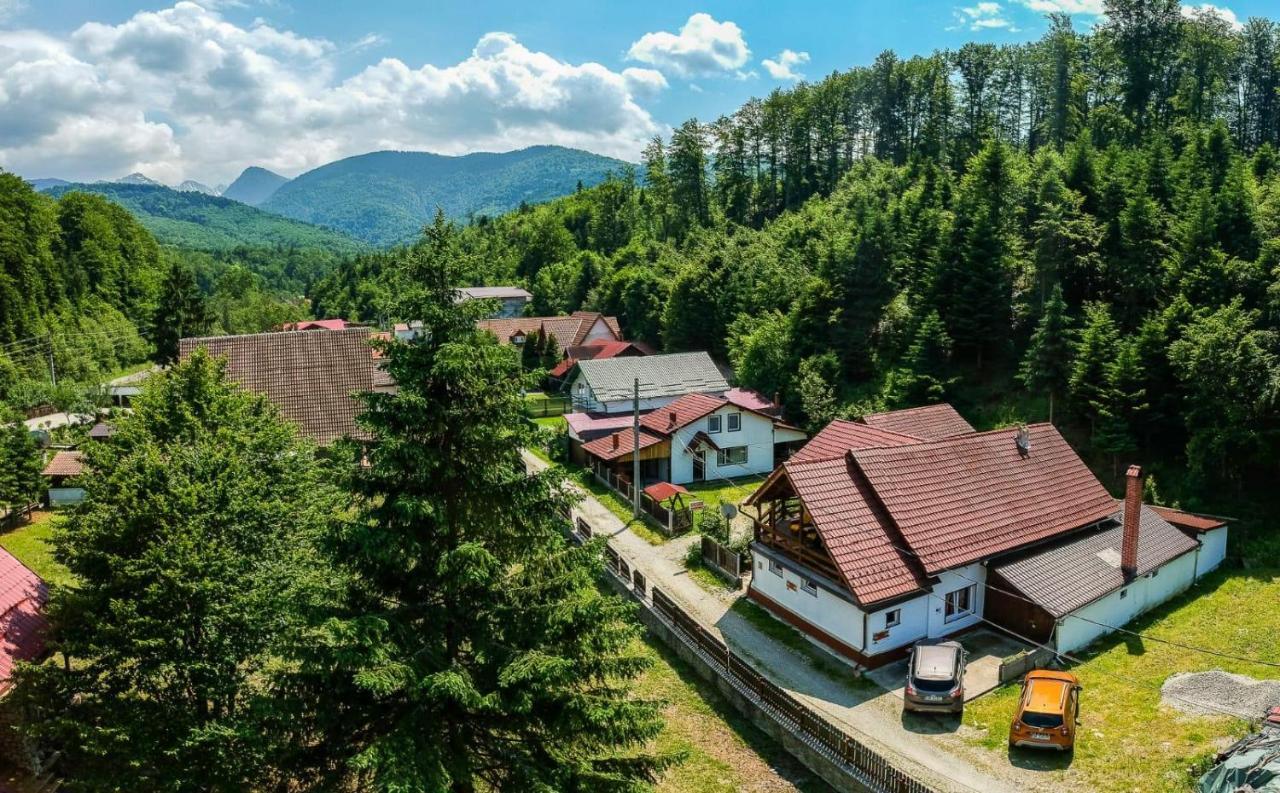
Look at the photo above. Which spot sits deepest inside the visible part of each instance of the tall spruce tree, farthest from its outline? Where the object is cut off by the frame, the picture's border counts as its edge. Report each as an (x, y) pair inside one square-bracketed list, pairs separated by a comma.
[(180, 312), (474, 650), (1095, 348), (190, 554), (925, 375), (20, 463), (1047, 364)]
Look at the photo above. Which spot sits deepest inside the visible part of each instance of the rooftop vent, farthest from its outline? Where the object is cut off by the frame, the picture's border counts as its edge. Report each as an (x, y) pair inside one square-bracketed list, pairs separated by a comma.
[(1023, 440)]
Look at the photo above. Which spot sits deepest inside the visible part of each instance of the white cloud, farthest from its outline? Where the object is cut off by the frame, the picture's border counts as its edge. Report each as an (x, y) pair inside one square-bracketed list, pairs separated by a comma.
[(1221, 11), (1086, 7), (11, 8), (985, 15), (702, 48), (783, 66), (184, 93)]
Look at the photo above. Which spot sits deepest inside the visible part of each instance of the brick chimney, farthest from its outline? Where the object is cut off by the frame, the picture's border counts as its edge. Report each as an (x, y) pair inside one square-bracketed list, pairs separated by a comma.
[(615, 440), (671, 418), (1132, 517)]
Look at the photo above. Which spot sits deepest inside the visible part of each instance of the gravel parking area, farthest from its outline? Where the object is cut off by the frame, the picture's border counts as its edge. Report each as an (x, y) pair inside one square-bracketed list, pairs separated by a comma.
[(1212, 693)]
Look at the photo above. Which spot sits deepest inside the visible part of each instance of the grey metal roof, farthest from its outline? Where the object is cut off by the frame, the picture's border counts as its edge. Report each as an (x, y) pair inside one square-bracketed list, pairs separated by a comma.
[(494, 292), (660, 376), (1075, 572)]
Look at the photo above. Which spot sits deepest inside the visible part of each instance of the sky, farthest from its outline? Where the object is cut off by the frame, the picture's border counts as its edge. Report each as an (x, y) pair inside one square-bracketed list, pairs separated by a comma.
[(201, 89)]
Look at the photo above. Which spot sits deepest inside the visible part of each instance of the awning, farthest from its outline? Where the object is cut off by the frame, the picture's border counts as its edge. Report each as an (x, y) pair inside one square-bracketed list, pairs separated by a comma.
[(662, 491)]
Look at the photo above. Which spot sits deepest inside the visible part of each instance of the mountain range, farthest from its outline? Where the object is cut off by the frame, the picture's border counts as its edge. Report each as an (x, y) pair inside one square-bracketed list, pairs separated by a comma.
[(254, 185)]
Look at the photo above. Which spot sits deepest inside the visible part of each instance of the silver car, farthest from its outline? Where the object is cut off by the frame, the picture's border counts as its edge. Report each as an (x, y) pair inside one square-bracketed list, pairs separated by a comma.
[(935, 678)]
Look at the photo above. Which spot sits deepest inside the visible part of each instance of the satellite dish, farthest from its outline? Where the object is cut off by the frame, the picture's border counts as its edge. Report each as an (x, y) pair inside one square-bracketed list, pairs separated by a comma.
[(728, 510)]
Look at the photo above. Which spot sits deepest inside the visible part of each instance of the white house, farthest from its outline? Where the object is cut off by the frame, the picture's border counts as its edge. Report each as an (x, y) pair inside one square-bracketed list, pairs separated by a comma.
[(511, 299), (699, 437), (608, 386), (876, 535)]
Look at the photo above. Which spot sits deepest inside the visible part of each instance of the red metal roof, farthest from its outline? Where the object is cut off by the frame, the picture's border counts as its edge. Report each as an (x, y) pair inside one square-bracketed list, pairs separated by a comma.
[(595, 350), (22, 621), (1189, 520), (661, 491), (971, 497), (840, 436), (65, 463), (855, 530), (585, 422), (930, 423), (604, 447), (751, 400)]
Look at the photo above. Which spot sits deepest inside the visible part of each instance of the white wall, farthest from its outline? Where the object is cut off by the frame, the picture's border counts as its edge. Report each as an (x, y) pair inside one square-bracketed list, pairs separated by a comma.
[(599, 330), (833, 613), (1213, 549), (756, 433), (913, 625), (974, 575), (1140, 595)]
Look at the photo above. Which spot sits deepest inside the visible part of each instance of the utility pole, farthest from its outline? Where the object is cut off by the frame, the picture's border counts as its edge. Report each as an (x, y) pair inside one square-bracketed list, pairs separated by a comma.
[(53, 375), (635, 449)]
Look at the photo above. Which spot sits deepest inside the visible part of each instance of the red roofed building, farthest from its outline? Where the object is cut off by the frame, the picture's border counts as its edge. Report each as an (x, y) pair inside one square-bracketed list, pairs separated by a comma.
[(318, 324), (576, 330), (597, 350), (695, 438), (22, 623), (877, 535)]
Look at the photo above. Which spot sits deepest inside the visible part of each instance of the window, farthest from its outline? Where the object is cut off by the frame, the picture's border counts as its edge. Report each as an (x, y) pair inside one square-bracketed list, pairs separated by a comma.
[(893, 618), (960, 603), (1124, 593), (713, 424), (517, 339), (735, 422), (775, 568), (734, 455), (809, 585)]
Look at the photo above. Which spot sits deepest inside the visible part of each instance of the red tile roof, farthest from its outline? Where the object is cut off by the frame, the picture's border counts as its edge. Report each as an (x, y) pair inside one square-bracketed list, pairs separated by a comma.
[(596, 350), (311, 377), (65, 463), (971, 497), (686, 409), (604, 449), (569, 331), (840, 436), (317, 324), (22, 621), (856, 532), (930, 423), (1190, 520)]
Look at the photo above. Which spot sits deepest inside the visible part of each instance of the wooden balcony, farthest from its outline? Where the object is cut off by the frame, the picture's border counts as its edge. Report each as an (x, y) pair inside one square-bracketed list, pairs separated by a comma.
[(796, 539)]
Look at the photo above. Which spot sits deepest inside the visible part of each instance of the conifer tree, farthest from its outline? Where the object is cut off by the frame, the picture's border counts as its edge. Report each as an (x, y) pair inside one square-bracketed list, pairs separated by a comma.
[(473, 649), (1047, 364), (1123, 402), (1095, 349), (20, 463), (924, 378), (190, 553), (180, 312)]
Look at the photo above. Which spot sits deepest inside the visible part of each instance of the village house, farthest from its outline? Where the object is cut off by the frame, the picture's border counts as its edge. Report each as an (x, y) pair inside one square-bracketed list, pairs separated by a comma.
[(313, 378), (911, 525), (608, 386), (61, 471), (318, 324), (511, 299), (695, 438), (576, 330), (596, 351)]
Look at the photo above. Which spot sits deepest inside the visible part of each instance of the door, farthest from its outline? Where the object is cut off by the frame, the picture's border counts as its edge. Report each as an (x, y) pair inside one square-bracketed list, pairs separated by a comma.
[(699, 465)]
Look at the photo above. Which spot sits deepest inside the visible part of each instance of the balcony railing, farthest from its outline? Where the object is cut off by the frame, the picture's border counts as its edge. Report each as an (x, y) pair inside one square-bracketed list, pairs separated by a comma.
[(797, 540)]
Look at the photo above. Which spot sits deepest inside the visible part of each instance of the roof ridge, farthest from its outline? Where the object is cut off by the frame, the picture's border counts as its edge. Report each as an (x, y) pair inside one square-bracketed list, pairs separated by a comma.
[(282, 333)]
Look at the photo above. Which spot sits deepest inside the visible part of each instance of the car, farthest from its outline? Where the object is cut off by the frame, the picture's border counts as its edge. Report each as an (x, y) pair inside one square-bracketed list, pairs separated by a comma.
[(1048, 711), (935, 678)]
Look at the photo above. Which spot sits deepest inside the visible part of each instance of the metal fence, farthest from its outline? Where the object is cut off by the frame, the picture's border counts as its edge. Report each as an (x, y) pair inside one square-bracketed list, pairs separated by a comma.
[(547, 406), (863, 764), (724, 561)]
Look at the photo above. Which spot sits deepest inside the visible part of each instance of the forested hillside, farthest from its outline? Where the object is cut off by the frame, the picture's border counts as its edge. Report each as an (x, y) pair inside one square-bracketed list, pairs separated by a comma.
[(198, 221), (1091, 220), (386, 197)]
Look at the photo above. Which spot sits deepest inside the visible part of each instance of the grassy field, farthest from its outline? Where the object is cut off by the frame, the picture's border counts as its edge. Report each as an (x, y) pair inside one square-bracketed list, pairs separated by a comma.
[(722, 751), (734, 491), (30, 545), (1128, 741)]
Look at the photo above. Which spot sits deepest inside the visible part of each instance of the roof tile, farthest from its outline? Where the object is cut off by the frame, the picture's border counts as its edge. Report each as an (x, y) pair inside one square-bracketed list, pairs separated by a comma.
[(930, 423)]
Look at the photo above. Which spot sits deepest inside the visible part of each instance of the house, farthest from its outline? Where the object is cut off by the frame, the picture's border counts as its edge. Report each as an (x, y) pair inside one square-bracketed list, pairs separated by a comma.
[(597, 351), (911, 525), (576, 330), (608, 386), (695, 438), (318, 324), (61, 471), (23, 595), (311, 377), (511, 299)]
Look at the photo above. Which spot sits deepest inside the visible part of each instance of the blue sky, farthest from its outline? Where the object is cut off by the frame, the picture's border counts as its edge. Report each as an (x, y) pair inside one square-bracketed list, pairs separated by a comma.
[(95, 89)]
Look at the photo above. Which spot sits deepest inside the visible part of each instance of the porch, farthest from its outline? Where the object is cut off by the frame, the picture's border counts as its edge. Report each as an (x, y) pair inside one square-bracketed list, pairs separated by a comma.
[(784, 525)]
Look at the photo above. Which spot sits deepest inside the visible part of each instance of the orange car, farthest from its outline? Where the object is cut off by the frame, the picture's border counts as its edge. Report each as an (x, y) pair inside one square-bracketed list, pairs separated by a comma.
[(1048, 711)]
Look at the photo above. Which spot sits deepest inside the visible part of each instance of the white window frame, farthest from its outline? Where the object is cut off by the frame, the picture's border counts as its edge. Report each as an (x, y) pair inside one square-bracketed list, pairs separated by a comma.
[(713, 425), (892, 618), (722, 456), (733, 422), (953, 610), (809, 586), (775, 568)]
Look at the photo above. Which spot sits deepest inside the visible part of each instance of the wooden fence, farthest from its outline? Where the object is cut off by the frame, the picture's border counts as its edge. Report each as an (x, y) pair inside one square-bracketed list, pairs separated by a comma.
[(725, 562), (671, 522), (863, 764)]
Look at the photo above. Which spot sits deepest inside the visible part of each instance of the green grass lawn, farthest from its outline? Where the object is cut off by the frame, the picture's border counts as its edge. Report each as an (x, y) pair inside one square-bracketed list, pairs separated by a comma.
[(716, 492), (722, 751), (1127, 740), (30, 545)]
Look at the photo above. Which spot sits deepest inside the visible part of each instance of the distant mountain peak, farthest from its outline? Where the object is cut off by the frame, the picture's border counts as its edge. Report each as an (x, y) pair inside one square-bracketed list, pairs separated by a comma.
[(138, 178), (254, 185), (192, 186)]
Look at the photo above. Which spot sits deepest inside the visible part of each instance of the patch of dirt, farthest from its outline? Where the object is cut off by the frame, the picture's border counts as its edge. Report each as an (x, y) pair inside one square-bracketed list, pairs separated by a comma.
[(1219, 693)]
